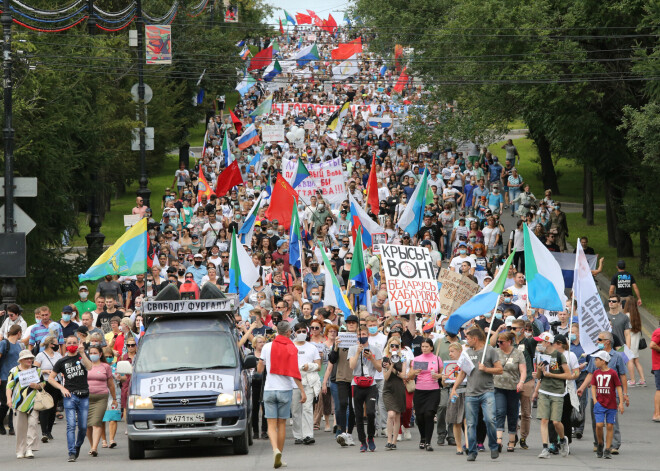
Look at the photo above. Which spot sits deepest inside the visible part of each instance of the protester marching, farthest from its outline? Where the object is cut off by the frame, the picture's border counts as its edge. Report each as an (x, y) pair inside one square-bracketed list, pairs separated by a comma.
[(378, 284)]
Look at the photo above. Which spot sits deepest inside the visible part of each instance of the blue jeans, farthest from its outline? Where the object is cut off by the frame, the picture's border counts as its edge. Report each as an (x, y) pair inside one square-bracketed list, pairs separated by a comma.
[(507, 403), (486, 402), (75, 405), (335, 396), (513, 194)]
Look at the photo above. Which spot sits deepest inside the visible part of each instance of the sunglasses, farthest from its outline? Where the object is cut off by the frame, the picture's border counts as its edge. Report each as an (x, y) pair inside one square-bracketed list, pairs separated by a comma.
[(602, 340), (129, 345), (394, 345), (612, 301), (315, 328), (515, 328), (301, 331)]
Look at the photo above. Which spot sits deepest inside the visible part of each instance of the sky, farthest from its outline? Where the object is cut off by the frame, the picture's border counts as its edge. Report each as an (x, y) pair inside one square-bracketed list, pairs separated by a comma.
[(322, 8)]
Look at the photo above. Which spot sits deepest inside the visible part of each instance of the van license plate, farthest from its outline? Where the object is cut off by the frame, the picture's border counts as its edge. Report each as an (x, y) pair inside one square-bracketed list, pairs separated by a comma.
[(184, 418)]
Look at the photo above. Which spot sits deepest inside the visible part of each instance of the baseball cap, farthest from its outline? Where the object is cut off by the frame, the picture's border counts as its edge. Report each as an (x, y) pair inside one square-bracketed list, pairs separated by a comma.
[(602, 354), (621, 264), (545, 337), (507, 291), (426, 243), (82, 329), (352, 318), (82, 287), (280, 243), (198, 255), (462, 244), (67, 309)]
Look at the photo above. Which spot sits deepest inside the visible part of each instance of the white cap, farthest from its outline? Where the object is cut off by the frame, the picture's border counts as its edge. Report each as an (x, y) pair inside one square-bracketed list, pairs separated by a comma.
[(602, 354), (545, 336)]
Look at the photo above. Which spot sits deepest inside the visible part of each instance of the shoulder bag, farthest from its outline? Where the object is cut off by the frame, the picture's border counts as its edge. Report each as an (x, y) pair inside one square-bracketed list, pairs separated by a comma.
[(363, 381), (43, 401)]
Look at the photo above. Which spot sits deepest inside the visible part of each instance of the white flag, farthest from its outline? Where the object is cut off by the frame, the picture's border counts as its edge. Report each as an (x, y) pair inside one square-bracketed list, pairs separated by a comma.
[(346, 69), (592, 317)]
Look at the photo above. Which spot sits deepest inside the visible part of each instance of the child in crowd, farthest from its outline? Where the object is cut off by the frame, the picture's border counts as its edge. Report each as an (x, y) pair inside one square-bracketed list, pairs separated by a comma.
[(605, 385)]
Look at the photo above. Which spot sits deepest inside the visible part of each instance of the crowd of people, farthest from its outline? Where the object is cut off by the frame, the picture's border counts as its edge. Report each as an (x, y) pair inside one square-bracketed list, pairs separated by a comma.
[(402, 371)]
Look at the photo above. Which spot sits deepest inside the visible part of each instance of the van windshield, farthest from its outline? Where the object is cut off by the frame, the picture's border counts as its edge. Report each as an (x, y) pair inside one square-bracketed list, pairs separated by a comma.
[(182, 351)]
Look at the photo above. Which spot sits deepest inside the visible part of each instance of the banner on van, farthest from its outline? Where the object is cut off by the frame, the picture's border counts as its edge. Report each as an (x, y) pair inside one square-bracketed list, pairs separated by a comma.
[(185, 382), (188, 306)]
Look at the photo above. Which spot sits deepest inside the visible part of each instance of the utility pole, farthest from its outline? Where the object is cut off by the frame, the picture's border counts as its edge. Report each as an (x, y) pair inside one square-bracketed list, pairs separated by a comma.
[(9, 290), (95, 238), (143, 191)]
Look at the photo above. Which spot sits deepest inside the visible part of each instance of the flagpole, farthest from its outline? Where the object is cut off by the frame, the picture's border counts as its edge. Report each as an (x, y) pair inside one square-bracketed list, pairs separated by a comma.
[(490, 328), (570, 323)]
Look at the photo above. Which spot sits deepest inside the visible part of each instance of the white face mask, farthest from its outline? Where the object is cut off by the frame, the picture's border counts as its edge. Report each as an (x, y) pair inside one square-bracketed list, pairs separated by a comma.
[(540, 348), (528, 334), (301, 337), (83, 295)]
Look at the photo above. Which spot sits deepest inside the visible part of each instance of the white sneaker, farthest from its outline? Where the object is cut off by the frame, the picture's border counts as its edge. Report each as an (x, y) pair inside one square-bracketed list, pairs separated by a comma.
[(349, 440), (29, 454), (20, 456), (406, 434), (545, 454), (399, 438), (341, 439)]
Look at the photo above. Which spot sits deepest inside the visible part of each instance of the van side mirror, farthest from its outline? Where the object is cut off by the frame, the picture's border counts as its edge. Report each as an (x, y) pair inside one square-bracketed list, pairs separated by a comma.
[(249, 362), (124, 368)]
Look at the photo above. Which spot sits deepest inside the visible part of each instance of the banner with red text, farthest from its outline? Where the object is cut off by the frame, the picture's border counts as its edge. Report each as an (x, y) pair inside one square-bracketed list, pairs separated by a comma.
[(327, 177), (297, 108), (411, 284)]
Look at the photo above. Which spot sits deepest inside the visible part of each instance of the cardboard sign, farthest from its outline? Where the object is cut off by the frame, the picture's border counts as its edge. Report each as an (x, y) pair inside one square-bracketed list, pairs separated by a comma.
[(273, 133), (185, 382), (131, 219), (455, 291), (450, 370), (411, 284), (326, 176), (377, 239), (347, 339), (309, 125), (28, 377)]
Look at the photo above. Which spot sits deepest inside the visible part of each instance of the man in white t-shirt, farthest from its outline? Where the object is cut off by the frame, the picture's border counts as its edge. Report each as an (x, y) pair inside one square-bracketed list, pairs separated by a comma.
[(462, 256), (309, 363), (519, 291), (377, 341), (278, 391), (210, 231)]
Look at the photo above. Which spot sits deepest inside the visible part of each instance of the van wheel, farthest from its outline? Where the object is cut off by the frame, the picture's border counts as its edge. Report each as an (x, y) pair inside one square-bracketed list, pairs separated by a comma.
[(240, 442), (135, 450)]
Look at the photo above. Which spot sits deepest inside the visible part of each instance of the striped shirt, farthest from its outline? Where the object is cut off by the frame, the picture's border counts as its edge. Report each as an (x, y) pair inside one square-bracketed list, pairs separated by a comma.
[(40, 332), (22, 398)]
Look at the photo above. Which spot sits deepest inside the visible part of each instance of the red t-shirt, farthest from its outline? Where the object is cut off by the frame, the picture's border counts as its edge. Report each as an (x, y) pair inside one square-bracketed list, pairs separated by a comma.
[(606, 383), (655, 356)]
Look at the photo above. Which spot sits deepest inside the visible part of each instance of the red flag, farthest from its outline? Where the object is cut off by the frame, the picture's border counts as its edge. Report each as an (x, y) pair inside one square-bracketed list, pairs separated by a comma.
[(372, 188), (229, 178), (203, 187), (303, 19), (261, 59), (237, 122), (398, 52), (317, 20), (331, 25), (346, 50), (403, 80), (281, 203), (281, 27)]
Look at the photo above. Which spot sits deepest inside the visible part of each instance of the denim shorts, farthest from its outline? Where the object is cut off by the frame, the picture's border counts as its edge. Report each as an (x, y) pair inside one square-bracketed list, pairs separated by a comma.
[(603, 415), (277, 404)]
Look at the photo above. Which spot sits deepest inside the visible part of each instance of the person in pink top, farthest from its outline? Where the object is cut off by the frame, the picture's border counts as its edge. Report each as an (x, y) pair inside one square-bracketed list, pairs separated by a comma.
[(100, 381), (427, 368)]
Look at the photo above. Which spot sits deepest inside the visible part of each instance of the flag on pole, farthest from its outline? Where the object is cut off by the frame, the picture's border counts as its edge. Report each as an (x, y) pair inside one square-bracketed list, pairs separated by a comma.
[(127, 256), (281, 200), (592, 318), (382, 70), (359, 218), (345, 50), (226, 150), (281, 28), (245, 85), (358, 274), (346, 69), (261, 59), (303, 19), (482, 302), (245, 52), (256, 160), (545, 283), (333, 295), (276, 47), (301, 173), (242, 272), (335, 122), (247, 228), (307, 54), (295, 248), (264, 107), (228, 179), (289, 18), (346, 18), (249, 137), (411, 219), (272, 71), (236, 122), (203, 187), (330, 25), (372, 187), (403, 80)]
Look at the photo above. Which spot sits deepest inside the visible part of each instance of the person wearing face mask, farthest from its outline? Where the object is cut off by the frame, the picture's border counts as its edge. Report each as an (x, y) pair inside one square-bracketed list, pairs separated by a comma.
[(617, 363), (46, 361), (378, 340), (309, 363), (68, 326), (507, 303), (282, 253), (574, 339), (84, 304), (113, 413), (559, 224), (198, 269), (322, 212), (101, 382), (484, 321), (462, 256)]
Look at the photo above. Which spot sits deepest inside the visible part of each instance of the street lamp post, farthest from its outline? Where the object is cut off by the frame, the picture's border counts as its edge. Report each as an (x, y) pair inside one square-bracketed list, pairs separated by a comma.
[(143, 191)]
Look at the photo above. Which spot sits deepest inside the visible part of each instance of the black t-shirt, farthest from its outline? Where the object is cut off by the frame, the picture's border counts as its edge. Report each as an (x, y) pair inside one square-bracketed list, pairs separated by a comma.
[(553, 247), (623, 282), (483, 323), (103, 321), (74, 372)]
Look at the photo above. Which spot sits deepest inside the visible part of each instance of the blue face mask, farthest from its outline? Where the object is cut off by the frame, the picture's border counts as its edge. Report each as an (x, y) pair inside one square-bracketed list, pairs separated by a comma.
[(95, 358), (600, 346), (66, 317), (507, 300), (373, 330), (498, 315), (573, 337), (488, 315), (364, 340)]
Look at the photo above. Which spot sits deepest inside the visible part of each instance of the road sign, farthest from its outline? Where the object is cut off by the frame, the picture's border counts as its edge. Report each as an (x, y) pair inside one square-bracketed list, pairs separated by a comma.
[(12, 254), (148, 93), (23, 222), (25, 187)]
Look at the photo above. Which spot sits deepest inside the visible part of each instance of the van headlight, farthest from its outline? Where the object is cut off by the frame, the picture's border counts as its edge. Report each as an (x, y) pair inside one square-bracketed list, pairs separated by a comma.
[(139, 402), (226, 399)]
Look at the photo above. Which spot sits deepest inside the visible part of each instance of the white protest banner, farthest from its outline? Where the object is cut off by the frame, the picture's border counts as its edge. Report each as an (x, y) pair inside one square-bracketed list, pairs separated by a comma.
[(297, 108), (347, 339), (465, 363), (186, 382), (327, 87), (411, 284), (131, 219), (455, 290), (272, 133), (328, 177), (309, 125), (592, 317), (28, 377)]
